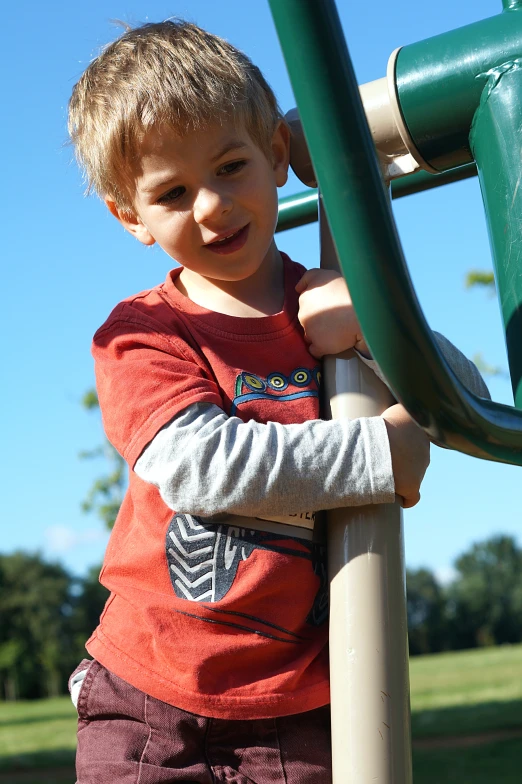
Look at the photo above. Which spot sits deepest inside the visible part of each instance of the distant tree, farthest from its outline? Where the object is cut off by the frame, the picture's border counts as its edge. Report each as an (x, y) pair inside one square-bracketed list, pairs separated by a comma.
[(485, 600), (427, 630), (486, 369), (88, 606), (481, 278), (484, 279), (36, 607), (106, 494), (104, 499)]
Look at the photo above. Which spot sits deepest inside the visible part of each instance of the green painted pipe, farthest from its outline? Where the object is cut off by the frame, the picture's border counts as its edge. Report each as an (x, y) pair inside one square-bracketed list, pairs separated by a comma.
[(440, 80), (348, 174), (301, 208), (496, 144), (511, 5), (297, 210)]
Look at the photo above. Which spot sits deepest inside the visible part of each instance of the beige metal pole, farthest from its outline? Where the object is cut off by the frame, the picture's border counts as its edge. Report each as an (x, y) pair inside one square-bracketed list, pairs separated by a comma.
[(369, 674), (371, 739)]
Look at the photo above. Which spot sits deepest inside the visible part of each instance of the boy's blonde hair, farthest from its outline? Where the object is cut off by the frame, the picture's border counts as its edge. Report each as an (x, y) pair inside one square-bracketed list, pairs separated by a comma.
[(170, 73)]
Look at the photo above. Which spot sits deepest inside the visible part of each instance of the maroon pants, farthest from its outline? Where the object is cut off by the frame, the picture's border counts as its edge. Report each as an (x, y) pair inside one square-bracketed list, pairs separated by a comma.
[(127, 737)]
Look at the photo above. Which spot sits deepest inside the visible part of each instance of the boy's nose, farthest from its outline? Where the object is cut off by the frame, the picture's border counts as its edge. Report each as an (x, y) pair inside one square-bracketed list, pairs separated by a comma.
[(211, 203)]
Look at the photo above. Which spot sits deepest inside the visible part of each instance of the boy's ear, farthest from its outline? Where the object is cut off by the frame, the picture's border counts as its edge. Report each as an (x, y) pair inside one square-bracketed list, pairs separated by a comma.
[(281, 152), (131, 222)]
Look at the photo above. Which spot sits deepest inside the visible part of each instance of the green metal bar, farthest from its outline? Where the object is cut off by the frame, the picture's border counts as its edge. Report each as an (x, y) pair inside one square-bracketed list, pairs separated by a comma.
[(440, 81), (424, 181), (297, 210), (511, 5), (496, 144), (348, 174), (301, 208)]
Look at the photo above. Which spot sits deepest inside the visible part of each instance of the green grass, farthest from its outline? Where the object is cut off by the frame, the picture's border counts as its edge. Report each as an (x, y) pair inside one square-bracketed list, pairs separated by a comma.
[(452, 694), (39, 734), (494, 763), (466, 692)]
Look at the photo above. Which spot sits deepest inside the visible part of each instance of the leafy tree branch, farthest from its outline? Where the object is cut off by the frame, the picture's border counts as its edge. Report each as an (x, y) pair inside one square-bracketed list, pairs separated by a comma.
[(106, 493)]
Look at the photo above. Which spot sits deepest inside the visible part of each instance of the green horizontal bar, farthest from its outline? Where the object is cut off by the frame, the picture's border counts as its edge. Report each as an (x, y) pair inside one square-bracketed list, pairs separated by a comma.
[(297, 210), (367, 242), (301, 208), (424, 181)]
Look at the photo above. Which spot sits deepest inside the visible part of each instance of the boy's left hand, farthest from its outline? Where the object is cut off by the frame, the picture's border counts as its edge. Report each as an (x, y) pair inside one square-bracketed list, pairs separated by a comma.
[(326, 314)]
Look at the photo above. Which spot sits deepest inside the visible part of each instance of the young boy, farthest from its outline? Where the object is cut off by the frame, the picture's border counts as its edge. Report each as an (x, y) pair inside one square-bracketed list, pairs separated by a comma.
[(210, 660)]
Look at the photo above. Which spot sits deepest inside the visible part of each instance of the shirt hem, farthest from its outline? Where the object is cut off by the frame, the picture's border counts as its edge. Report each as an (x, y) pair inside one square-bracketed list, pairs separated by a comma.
[(209, 706)]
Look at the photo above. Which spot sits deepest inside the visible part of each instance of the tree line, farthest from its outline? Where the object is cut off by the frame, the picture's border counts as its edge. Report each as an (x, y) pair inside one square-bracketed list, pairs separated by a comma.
[(481, 606), (46, 614)]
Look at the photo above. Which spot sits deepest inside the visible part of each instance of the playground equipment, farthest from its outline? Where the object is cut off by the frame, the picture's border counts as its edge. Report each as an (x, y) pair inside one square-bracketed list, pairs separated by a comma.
[(448, 104)]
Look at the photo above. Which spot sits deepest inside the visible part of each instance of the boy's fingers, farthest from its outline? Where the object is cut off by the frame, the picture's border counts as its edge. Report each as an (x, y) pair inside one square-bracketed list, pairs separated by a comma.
[(314, 351), (305, 281), (408, 503), (302, 282)]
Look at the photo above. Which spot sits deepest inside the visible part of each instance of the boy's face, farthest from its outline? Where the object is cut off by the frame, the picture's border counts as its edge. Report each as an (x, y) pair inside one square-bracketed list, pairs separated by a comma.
[(209, 199)]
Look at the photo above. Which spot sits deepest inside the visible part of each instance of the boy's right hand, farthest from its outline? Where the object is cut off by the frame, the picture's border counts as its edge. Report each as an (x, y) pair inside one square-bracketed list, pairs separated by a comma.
[(327, 315), (410, 453)]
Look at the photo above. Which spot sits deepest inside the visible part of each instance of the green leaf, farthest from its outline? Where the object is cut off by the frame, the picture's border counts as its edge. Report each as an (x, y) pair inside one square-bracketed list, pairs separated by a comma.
[(480, 278)]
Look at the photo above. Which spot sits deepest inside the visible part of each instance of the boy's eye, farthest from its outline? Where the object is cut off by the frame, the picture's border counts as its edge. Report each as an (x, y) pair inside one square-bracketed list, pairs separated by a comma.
[(232, 167), (172, 195)]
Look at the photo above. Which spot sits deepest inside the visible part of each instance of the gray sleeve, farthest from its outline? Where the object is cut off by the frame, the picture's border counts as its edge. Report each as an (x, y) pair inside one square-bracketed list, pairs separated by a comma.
[(205, 463), (463, 368)]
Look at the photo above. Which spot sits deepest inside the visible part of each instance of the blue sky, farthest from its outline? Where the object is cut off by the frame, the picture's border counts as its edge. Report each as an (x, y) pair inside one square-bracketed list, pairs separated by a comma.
[(66, 263)]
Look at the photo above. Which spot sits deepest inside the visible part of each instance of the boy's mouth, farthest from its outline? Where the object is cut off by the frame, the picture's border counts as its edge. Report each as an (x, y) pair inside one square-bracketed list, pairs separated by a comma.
[(232, 242)]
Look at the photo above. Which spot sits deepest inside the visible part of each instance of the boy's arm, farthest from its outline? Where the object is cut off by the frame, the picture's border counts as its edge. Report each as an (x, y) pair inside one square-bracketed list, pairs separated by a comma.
[(163, 412), (465, 370), (328, 319), (206, 463)]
